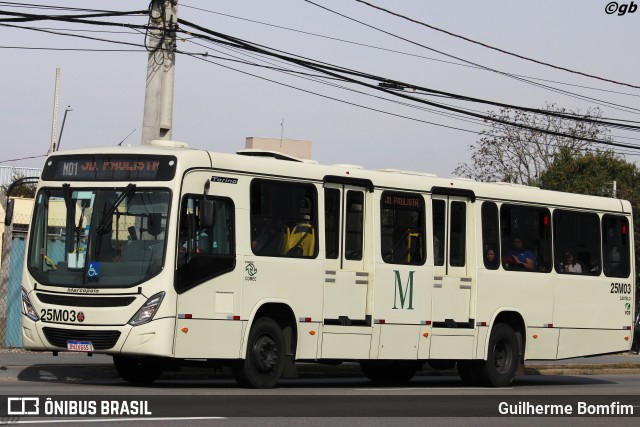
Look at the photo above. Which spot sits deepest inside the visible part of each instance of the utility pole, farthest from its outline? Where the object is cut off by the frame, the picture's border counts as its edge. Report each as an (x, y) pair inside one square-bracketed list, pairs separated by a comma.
[(54, 124), (158, 100)]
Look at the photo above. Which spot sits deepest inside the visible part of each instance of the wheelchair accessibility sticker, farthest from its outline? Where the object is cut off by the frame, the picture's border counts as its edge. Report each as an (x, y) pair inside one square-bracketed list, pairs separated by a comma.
[(94, 270)]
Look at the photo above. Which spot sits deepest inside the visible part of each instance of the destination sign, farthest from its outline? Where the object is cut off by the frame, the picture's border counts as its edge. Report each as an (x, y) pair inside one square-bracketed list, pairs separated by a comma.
[(109, 168), (401, 200)]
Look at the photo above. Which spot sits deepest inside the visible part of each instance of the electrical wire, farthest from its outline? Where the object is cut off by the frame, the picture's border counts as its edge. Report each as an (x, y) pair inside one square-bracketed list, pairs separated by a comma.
[(23, 158), (414, 55), (333, 71), (488, 46), (486, 68), (71, 49)]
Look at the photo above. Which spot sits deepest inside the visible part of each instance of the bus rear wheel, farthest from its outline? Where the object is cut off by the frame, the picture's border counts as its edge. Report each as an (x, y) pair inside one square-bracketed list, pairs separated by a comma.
[(264, 362), (502, 358), (137, 371), (389, 371)]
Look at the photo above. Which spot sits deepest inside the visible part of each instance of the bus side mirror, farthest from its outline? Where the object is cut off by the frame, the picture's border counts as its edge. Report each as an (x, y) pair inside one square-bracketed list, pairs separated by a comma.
[(8, 216), (207, 218)]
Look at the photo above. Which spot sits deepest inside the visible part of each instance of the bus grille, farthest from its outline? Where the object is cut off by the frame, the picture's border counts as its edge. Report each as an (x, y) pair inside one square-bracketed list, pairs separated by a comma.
[(82, 301), (101, 340)]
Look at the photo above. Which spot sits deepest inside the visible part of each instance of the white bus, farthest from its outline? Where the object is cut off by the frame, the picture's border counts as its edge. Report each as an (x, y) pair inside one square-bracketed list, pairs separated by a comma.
[(162, 255)]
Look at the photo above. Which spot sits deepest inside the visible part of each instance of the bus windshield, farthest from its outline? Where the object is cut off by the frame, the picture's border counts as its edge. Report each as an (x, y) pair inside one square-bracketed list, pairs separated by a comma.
[(111, 237)]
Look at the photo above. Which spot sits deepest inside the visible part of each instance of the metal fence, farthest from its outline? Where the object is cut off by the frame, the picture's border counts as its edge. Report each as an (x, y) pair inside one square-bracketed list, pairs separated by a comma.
[(10, 295), (9, 173)]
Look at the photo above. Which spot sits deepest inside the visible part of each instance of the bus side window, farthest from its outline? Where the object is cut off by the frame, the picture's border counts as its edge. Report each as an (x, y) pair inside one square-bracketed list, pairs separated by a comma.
[(526, 238), (576, 242), (402, 228), (438, 207), (283, 219), (354, 225), (332, 222), (204, 252), (490, 236), (615, 246)]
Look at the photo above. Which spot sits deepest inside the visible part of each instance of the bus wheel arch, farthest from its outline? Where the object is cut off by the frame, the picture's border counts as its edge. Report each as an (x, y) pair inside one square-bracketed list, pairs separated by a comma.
[(269, 350)]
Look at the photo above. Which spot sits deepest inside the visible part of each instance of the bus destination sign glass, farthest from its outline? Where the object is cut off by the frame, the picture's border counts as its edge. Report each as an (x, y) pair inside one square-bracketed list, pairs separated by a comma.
[(109, 168)]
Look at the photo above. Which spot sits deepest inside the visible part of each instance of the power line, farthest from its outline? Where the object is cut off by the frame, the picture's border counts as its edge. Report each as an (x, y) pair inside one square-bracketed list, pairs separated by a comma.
[(323, 69), (42, 6), (70, 35), (327, 96), (323, 80), (503, 73), (71, 49), (496, 48), (23, 158), (401, 52), (333, 71), (549, 143)]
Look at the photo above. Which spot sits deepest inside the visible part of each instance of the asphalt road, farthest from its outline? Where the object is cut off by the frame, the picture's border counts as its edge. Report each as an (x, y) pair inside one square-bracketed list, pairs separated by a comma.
[(322, 396)]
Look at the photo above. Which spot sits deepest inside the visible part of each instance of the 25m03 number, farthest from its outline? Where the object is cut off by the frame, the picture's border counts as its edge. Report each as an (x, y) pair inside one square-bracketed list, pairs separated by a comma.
[(55, 315), (620, 288)]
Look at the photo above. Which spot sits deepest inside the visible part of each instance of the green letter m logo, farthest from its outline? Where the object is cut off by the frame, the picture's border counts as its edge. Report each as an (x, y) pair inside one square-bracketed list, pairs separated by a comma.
[(403, 292)]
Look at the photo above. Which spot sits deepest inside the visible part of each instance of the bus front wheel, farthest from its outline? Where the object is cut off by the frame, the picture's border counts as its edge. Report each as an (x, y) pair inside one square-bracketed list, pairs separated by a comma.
[(264, 362), (137, 371), (502, 358)]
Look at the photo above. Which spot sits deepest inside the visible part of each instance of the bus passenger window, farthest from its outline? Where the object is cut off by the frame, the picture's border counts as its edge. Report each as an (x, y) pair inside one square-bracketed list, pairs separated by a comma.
[(615, 246), (576, 242), (438, 207), (526, 238), (402, 228), (332, 222), (283, 219), (354, 226), (458, 234), (490, 236)]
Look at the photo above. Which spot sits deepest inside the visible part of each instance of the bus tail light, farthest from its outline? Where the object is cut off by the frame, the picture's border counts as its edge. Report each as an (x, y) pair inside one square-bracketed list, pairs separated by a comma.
[(27, 308), (148, 310)]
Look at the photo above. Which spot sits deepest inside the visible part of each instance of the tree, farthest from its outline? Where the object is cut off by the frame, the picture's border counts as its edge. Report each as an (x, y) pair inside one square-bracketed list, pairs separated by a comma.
[(512, 154), (25, 190)]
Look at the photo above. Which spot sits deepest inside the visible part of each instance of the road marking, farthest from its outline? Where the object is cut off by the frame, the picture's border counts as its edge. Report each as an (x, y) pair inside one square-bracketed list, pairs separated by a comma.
[(104, 420), (423, 388)]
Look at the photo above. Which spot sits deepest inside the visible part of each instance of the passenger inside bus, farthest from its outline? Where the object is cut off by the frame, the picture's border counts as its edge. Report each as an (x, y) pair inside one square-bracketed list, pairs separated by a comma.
[(519, 257), (490, 259), (571, 264), (301, 237)]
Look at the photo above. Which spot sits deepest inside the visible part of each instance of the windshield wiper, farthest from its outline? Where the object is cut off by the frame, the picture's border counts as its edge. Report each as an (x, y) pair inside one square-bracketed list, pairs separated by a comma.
[(71, 216), (107, 216), (106, 220)]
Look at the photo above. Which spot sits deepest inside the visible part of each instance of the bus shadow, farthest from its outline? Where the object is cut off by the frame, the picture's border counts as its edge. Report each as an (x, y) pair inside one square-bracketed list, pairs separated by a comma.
[(106, 375)]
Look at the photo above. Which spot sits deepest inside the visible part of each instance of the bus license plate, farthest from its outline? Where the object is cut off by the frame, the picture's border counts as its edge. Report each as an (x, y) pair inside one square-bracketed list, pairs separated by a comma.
[(79, 346)]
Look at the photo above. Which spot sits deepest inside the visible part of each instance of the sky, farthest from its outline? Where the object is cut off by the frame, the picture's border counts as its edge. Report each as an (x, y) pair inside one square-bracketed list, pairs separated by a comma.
[(216, 108)]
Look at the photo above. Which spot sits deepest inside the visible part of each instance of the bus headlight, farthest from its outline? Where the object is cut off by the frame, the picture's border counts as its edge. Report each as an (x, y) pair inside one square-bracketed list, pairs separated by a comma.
[(27, 308), (148, 310)]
